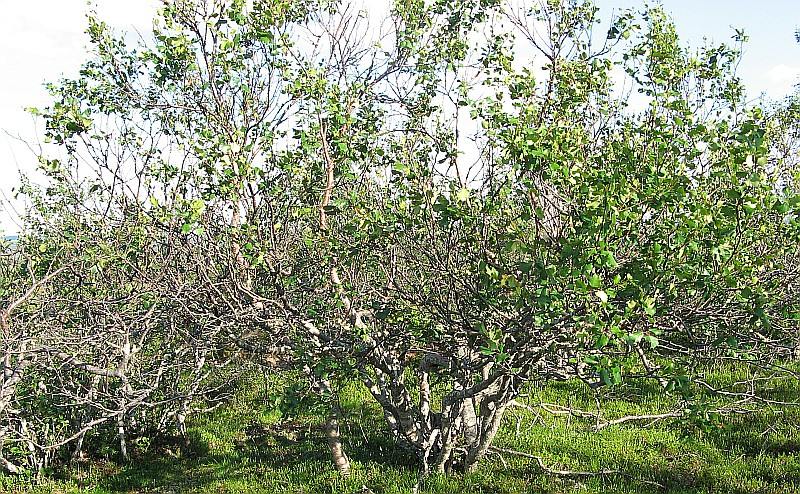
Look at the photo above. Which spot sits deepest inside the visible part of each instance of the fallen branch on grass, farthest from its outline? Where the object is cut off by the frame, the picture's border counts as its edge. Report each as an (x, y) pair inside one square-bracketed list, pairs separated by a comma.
[(630, 418), (546, 469), (569, 473)]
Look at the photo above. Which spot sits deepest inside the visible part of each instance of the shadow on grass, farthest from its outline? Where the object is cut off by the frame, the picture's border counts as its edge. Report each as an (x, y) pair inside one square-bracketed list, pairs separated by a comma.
[(758, 434), (684, 476), (293, 457), (271, 462), (293, 454), (240, 450)]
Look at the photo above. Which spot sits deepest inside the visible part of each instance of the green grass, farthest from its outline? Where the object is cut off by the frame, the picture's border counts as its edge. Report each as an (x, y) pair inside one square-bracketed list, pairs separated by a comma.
[(248, 447)]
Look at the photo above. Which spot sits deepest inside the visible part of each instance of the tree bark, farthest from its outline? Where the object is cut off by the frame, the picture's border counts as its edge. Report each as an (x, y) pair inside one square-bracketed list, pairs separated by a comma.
[(340, 460)]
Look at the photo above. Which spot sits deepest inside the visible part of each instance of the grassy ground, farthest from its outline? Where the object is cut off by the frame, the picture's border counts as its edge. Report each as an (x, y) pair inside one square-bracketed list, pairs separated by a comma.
[(249, 446)]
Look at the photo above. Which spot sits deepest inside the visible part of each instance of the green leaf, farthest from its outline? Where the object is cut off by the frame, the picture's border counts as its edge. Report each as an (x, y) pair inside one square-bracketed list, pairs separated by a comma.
[(649, 306), (616, 374), (197, 206), (609, 259), (606, 377), (266, 37), (633, 338)]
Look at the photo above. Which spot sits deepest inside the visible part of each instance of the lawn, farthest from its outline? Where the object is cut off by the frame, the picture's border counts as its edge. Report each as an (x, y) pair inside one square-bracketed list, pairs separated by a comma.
[(251, 445)]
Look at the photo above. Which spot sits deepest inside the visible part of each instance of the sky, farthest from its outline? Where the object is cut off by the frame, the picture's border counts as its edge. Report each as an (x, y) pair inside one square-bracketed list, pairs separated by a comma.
[(43, 40)]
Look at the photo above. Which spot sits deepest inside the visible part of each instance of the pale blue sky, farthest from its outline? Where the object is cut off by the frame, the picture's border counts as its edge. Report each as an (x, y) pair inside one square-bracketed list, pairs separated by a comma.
[(42, 40), (771, 60)]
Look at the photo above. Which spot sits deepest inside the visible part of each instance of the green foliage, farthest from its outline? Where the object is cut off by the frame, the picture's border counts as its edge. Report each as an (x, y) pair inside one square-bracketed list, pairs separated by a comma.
[(422, 209)]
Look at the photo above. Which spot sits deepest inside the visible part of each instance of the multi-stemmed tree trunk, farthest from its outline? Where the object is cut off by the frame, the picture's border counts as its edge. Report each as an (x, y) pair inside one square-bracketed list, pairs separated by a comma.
[(412, 205)]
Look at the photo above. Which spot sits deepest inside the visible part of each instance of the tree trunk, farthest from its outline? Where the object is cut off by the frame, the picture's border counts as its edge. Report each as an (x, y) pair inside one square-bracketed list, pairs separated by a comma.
[(123, 444), (340, 460)]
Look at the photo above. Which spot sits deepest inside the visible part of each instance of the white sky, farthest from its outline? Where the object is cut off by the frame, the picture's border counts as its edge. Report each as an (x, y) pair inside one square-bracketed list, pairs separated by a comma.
[(43, 40), (40, 41)]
